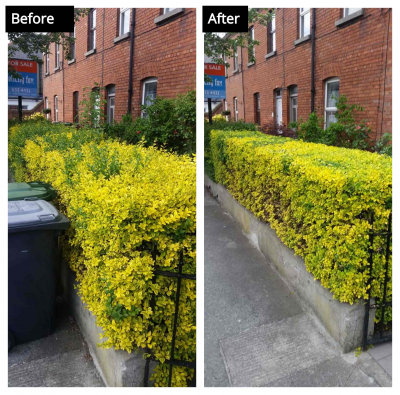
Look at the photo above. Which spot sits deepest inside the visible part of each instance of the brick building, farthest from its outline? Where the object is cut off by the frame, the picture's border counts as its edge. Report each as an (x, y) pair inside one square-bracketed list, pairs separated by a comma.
[(352, 56), (163, 60)]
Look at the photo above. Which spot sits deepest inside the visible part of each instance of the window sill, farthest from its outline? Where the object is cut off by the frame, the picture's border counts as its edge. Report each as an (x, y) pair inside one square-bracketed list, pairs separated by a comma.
[(349, 18), (91, 52), (122, 37), (270, 55), (71, 61), (302, 40), (56, 69), (169, 15), (250, 64), (46, 74), (235, 72)]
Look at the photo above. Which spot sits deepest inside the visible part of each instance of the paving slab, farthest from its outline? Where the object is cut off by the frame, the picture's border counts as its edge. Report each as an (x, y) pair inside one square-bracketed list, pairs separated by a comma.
[(270, 352), (59, 360)]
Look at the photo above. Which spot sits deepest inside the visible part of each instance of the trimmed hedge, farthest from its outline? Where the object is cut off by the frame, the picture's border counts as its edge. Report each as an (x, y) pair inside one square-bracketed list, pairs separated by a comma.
[(121, 199), (317, 198)]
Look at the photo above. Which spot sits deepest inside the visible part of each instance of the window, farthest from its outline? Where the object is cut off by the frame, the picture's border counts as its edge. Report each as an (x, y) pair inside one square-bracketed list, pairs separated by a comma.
[(124, 19), (92, 29), (278, 106), (349, 11), (47, 63), (251, 49), (331, 95), (235, 61), (168, 10), (55, 108), (293, 103), (96, 107), (257, 114), (304, 22), (110, 103), (46, 106), (75, 107), (149, 93), (235, 107), (271, 35), (57, 56), (72, 46)]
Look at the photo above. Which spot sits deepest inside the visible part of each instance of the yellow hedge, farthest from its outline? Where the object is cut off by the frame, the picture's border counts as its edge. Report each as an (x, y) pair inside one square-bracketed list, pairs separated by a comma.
[(120, 200), (317, 198)]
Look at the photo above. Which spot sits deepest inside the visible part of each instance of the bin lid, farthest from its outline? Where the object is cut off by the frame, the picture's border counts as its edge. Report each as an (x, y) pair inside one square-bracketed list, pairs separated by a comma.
[(25, 213), (31, 190)]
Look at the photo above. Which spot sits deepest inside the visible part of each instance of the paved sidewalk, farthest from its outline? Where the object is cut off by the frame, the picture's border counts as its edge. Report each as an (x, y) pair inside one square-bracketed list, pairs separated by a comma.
[(382, 353), (256, 331), (59, 360)]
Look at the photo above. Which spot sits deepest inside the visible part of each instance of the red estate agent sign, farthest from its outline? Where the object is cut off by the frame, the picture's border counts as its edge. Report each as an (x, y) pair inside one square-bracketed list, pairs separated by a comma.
[(27, 85), (216, 88)]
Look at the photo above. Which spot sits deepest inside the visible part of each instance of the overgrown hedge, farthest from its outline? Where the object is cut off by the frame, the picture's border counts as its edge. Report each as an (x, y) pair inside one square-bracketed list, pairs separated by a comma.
[(121, 199), (317, 198)]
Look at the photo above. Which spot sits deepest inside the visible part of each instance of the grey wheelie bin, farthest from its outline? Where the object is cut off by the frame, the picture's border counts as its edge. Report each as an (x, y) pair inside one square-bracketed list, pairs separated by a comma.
[(33, 228)]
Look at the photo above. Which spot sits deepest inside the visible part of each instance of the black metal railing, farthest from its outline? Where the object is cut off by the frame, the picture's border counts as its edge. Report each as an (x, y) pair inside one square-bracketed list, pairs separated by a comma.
[(172, 361), (382, 335)]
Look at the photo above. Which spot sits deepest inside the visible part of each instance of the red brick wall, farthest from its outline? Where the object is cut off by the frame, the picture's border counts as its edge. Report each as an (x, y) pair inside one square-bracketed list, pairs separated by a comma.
[(360, 54), (166, 51)]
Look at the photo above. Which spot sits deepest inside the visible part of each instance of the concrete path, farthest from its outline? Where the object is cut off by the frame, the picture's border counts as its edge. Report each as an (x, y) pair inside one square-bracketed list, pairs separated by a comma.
[(59, 360), (256, 331)]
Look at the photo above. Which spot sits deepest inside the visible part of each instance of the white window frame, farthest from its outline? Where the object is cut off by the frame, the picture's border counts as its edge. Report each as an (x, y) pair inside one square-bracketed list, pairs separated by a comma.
[(57, 56), (55, 108), (272, 34), (346, 11), (110, 120), (303, 13), (72, 45), (252, 36), (47, 63), (124, 14), (92, 29), (291, 105), (235, 60), (235, 108), (166, 10), (46, 106), (329, 109), (278, 95), (145, 82)]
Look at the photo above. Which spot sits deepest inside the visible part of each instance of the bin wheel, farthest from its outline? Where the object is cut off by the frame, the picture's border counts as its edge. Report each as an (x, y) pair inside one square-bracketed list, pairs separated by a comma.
[(11, 341)]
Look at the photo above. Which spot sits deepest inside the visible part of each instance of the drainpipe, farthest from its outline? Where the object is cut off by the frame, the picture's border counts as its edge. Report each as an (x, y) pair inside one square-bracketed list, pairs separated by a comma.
[(244, 101), (313, 60), (130, 88)]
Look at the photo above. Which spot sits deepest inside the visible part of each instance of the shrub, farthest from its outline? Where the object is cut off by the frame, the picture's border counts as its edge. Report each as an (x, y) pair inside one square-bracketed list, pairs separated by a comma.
[(218, 118), (120, 200), (229, 126), (274, 129), (169, 123), (347, 132), (384, 145), (317, 198)]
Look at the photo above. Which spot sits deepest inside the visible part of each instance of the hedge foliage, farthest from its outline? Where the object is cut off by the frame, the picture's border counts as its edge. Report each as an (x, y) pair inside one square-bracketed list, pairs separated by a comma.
[(317, 198), (120, 200)]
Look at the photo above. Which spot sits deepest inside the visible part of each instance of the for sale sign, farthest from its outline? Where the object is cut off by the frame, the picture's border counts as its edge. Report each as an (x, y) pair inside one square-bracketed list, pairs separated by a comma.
[(215, 89), (27, 85)]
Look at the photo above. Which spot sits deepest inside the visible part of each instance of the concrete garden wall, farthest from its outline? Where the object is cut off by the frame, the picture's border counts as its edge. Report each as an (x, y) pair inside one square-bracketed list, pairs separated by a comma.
[(117, 368), (344, 322)]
